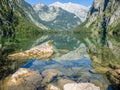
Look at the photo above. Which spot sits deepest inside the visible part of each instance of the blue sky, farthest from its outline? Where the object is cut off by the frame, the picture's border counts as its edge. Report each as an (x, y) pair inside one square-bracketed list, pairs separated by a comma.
[(47, 2)]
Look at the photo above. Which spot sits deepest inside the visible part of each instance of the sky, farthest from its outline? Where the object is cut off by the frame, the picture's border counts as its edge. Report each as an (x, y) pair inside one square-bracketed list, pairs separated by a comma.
[(47, 2)]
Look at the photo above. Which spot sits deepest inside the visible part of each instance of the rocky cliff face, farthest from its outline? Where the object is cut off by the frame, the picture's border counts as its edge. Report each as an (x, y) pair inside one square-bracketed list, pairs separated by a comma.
[(108, 9)]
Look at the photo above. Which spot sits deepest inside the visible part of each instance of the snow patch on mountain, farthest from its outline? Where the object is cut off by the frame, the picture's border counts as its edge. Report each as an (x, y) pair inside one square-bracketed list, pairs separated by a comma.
[(46, 13), (77, 9), (39, 6)]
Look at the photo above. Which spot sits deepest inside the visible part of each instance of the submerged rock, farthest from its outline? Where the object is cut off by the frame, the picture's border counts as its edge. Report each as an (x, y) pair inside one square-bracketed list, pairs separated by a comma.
[(55, 75), (44, 50), (68, 85), (80, 86), (61, 82), (24, 79), (49, 75)]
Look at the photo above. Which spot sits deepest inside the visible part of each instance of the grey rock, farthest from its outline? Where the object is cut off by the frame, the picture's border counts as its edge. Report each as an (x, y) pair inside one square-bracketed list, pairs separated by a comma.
[(80, 86), (24, 79)]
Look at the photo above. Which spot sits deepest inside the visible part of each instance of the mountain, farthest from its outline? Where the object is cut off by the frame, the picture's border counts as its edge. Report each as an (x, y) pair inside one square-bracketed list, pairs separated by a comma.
[(31, 14), (12, 15), (77, 9), (56, 17), (52, 16)]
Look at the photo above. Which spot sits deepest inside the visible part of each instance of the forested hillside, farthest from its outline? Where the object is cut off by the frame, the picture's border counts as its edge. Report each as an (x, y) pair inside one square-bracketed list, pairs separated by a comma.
[(15, 30)]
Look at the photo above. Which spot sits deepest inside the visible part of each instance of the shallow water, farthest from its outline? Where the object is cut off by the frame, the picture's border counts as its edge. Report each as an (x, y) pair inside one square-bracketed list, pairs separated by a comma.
[(72, 61), (76, 68), (70, 58)]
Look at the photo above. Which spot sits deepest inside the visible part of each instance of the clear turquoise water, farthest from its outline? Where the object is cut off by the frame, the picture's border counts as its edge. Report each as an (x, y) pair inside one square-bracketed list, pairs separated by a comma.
[(78, 70)]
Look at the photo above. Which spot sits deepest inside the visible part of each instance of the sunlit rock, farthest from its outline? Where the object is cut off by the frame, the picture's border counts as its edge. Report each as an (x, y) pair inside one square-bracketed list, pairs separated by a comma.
[(24, 79), (44, 50), (80, 86), (52, 87), (59, 84)]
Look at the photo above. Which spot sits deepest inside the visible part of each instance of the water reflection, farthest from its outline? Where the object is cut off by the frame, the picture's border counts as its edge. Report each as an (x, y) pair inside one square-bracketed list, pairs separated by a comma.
[(61, 41), (71, 61)]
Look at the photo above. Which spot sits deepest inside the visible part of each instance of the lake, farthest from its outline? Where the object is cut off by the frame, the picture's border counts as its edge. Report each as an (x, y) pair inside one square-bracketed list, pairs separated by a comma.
[(70, 58)]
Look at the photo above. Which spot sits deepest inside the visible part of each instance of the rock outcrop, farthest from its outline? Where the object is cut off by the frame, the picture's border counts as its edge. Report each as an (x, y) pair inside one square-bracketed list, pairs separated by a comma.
[(44, 50), (24, 79)]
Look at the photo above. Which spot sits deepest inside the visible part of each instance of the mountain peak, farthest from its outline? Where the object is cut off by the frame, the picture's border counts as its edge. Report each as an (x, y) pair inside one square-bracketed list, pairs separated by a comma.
[(57, 3), (77, 9), (68, 3), (39, 6)]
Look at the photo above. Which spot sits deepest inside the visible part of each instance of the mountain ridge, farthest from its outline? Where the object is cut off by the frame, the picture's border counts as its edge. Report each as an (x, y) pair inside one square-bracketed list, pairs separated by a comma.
[(55, 17), (77, 9)]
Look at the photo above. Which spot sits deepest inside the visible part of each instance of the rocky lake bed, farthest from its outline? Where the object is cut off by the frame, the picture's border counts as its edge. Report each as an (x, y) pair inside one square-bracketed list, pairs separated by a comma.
[(62, 72)]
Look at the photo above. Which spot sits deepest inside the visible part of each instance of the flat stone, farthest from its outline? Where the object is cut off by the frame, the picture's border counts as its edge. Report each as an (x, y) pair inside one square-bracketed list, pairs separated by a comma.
[(80, 86)]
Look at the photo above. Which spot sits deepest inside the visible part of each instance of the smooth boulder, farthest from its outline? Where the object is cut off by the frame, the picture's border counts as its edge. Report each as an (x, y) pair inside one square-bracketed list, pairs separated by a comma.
[(24, 79)]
